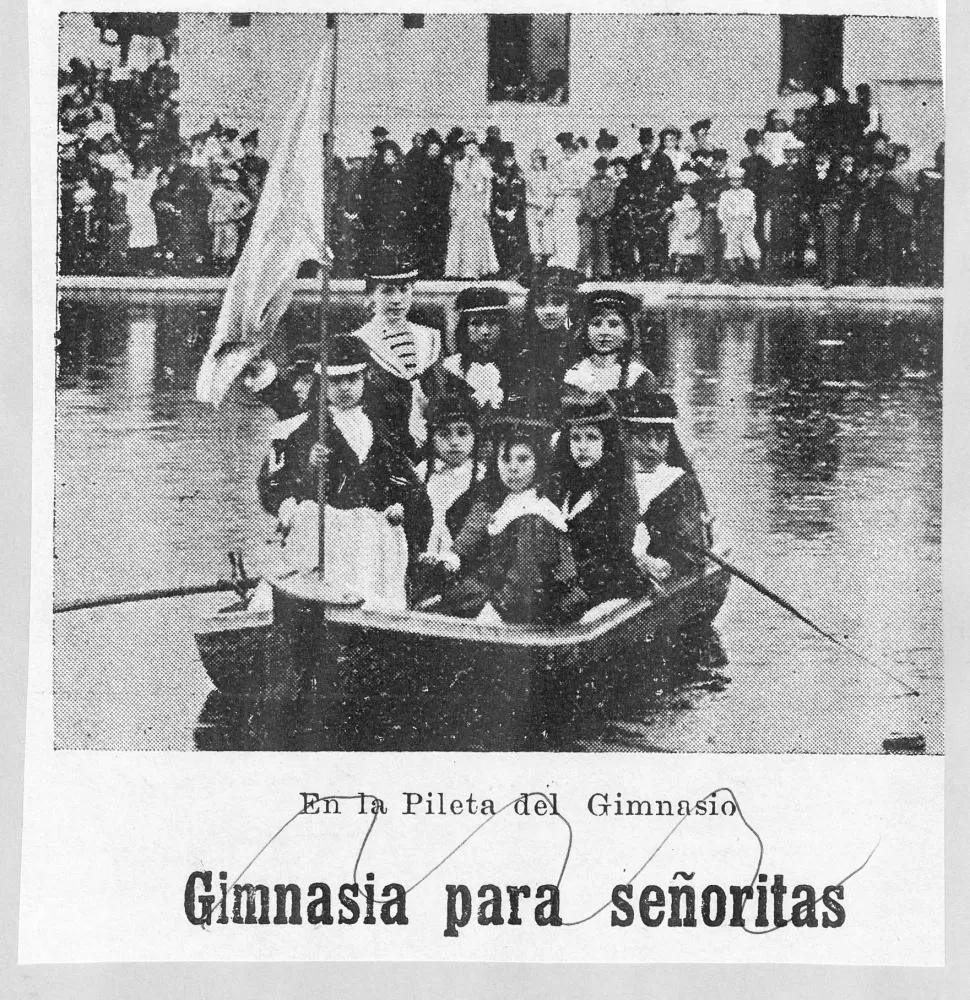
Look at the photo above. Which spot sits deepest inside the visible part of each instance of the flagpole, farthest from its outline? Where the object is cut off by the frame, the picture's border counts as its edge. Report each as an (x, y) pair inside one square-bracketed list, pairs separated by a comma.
[(327, 194)]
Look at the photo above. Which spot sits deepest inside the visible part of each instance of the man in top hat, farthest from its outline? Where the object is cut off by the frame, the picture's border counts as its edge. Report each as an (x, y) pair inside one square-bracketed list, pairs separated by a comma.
[(400, 351), (640, 161)]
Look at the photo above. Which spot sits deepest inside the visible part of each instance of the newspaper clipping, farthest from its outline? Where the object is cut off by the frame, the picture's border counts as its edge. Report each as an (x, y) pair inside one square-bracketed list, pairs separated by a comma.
[(487, 474)]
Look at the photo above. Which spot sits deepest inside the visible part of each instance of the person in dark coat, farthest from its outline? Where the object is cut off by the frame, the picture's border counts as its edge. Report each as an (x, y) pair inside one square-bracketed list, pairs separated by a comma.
[(546, 346), (365, 468), (401, 351), (480, 365), (596, 496), (757, 170), (428, 179), (673, 515), (253, 168), (874, 216), (509, 232), (512, 561), (384, 208), (785, 196), (929, 219)]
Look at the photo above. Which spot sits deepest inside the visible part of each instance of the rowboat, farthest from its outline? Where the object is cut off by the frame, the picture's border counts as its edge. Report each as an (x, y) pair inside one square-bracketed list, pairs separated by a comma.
[(465, 684)]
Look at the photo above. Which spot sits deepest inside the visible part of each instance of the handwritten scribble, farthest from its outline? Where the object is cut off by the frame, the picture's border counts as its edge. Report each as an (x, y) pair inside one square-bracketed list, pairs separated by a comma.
[(362, 796)]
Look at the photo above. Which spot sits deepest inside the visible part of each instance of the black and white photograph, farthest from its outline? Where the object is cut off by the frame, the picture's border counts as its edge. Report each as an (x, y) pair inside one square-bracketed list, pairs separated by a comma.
[(498, 382)]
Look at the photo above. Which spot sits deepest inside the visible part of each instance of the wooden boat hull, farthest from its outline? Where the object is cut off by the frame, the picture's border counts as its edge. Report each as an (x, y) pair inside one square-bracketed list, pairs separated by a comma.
[(463, 685)]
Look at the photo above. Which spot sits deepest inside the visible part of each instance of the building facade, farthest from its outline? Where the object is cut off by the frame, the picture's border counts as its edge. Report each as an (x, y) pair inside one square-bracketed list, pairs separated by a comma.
[(538, 75)]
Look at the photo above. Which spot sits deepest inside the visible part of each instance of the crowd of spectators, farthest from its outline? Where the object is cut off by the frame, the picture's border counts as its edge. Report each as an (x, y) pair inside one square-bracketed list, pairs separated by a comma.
[(825, 196)]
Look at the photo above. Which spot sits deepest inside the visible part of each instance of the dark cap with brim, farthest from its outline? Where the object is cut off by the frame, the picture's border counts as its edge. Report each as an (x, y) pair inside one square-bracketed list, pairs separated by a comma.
[(390, 264), (642, 404), (579, 407), (348, 355)]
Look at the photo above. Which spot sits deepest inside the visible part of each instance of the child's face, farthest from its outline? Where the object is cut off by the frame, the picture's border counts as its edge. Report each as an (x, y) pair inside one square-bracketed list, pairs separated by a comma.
[(901, 157), (735, 182), (390, 157), (619, 171), (607, 332), (344, 392), (302, 386), (517, 467), (847, 164), (454, 443), (648, 444), (551, 311), (586, 445), (393, 299), (483, 333)]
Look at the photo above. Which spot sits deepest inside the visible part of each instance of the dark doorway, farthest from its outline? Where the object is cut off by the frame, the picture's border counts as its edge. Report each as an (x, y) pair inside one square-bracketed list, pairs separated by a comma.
[(811, 51)]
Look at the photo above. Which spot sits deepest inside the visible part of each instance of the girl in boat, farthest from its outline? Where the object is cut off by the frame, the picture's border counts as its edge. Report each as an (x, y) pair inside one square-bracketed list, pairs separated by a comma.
[(673, 515), (401, 351), (546, 347), (452, 475), (596, 496), (511, 561), (610, 341), (378, 516), (479, 366)]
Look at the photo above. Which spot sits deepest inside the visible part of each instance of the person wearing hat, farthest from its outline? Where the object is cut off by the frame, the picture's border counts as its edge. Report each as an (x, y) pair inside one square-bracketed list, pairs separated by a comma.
[(509, 233), (451, 473), (605, 143), (595, 494), (640, 161), (378, 516), (609, 341), (684, 244), (427, 181), (757, 170), (595, 221), (471, 251), (673, 516), (786, 218), (566, 182), (252, 166), (737, 216), (400, 351), (384, 205), (480, 364), (709, 189), (492, 147), (227, 210), (546, 346), (511, 561), (701, 131)]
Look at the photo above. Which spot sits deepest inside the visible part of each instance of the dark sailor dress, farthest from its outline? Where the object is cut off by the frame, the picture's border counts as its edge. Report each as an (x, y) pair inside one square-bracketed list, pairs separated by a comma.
[(516, 565), (601, 533), (674, 514)]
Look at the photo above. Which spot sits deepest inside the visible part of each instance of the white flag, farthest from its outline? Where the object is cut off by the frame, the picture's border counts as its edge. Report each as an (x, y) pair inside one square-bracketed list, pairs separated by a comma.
[(286, 231)]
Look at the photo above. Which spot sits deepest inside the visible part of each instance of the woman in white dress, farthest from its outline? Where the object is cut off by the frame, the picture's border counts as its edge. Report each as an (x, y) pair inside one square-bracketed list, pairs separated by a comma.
[(538, 206), (567, 180), (471, 253)]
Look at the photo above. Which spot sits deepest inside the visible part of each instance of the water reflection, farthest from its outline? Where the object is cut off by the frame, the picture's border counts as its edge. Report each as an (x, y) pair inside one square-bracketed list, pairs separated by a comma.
[(816, 432)]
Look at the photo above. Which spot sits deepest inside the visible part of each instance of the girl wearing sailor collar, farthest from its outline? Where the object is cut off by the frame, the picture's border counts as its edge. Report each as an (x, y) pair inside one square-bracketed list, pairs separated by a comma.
[(481, 338), (596, 496), (512, 561), (609, 340), (674, 520)]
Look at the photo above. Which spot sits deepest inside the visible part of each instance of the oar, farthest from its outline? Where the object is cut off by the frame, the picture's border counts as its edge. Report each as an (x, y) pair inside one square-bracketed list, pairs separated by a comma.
[(779, 600), (107, 600)]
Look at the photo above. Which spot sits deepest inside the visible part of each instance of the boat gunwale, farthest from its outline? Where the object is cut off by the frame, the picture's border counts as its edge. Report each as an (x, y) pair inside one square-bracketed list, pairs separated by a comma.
[(449, 628)]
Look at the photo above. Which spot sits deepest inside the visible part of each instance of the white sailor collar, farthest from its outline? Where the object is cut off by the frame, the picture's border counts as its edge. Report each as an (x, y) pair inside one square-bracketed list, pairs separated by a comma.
[(484, 378), (651, 484), (427, 346), (521, 504)]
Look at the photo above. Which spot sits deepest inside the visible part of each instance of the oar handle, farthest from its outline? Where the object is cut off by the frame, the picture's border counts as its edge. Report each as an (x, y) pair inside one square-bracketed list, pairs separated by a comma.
[(107, 600)]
